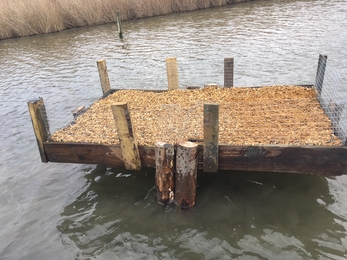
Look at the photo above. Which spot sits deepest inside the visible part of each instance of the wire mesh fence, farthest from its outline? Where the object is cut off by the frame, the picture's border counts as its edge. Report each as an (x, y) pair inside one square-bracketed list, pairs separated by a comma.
[(277, 115)]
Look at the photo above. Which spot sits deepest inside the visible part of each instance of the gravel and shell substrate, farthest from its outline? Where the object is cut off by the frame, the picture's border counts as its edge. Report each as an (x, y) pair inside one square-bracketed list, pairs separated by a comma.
[(286, 115)]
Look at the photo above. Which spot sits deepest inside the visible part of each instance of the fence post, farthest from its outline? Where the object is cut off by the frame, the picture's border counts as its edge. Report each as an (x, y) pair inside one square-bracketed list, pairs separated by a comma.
[(103, 75), (229, 72), (39, 120), (322, 62), (164, 172), (211, 132), (130, 150), (172, 73), (186, 173), (119, 24)]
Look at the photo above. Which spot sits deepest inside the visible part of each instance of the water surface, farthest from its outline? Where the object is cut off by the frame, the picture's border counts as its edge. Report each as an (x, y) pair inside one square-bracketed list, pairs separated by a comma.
[(67, 211)]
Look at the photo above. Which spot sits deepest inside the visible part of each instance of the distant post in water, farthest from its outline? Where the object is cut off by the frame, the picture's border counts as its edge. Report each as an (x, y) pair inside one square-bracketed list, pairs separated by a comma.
[(172, 73), (229, 72), (322, 62), (211, 132), (186, 173), (164, 172), (130, 151), (39, 120), (119, 25), (104, 80)]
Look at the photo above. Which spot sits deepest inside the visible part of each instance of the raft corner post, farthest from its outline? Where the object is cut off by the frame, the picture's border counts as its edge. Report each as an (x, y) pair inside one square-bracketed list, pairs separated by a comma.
[(40, 124), (211, 137), (128, 143), (172, 73), (103, 75), (229, 72), (322, 62)]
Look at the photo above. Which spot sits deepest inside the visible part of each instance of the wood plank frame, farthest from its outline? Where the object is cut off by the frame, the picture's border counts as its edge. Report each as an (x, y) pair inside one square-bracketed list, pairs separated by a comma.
[(320, 160)]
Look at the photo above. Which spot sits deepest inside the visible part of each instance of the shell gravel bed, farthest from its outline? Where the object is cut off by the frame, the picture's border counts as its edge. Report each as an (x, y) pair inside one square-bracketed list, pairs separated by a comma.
[(286, 115)]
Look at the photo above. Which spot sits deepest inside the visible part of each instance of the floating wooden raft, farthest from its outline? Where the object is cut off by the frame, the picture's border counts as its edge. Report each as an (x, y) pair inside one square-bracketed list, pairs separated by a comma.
[(177, 164)]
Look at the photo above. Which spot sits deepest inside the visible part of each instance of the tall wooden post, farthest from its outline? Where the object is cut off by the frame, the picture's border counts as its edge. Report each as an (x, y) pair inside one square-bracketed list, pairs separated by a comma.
[(322, 62), (229, 72), (119, 25), (211, 132), (39, 120), (164, 174), (103, 75), (130, 151), (172, 73), (186, 173)]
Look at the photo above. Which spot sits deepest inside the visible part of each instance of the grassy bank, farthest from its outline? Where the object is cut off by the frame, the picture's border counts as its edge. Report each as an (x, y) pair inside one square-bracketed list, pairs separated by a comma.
[(20, 18)]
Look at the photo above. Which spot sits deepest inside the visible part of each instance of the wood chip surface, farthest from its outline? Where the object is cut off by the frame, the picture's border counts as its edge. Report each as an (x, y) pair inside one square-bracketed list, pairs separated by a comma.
[(286, 115)]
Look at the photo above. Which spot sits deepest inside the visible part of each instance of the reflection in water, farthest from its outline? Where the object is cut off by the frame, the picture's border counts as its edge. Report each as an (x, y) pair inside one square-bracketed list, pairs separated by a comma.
[(261, 215)]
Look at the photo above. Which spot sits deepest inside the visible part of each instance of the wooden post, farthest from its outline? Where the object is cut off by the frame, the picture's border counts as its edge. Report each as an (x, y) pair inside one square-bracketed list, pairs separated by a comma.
[(164, 174), (103, 75), (172, 73), (119, 24), (130, 151), (39, 120), (186, 173), (322, 62), (211, 131), (229, 72)]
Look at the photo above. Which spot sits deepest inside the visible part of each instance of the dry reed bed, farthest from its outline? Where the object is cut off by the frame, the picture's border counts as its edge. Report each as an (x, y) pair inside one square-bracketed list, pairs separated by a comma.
[(287, 115), (29, 17)]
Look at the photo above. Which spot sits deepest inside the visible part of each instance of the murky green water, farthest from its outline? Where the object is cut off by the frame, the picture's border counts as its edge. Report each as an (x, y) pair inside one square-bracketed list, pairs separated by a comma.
[(61, 211)]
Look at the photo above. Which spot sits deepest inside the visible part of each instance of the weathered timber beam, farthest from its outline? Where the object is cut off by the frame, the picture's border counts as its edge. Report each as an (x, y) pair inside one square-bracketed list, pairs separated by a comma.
[(229, 72), (128, 143), (172, 73), (320, 160), (103, 75), (322, 62), (38, 116), (211, 132)]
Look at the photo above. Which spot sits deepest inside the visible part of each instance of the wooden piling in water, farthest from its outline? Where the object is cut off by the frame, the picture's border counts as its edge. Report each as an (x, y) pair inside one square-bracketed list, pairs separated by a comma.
[(164, 173), (119, 24), (186, 173), (229, 72), (39, 120), (103, 75), (172, 73), (128, 143), (211, 132)]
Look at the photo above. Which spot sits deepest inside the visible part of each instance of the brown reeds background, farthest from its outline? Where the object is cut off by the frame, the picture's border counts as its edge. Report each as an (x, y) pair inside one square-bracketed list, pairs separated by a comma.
[(20, 18)]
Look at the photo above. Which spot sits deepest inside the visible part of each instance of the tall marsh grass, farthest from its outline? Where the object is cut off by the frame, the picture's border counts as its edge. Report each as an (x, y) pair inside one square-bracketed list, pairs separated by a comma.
[(29, 17)]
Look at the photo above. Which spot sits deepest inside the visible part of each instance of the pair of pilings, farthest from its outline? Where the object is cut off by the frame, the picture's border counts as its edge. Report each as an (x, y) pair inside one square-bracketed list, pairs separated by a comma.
[(176, 164)]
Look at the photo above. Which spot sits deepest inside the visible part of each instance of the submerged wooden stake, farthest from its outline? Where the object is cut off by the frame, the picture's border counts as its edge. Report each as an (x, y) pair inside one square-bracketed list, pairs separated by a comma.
[(103, 75), (130, 151), (229, 72), (172, 73), (119, 24), (39, 120), (186, 173), (211, 131), (164, 174)]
